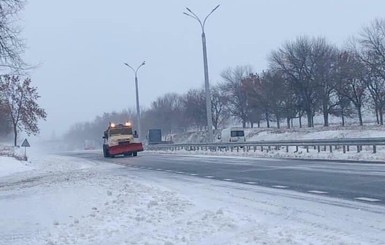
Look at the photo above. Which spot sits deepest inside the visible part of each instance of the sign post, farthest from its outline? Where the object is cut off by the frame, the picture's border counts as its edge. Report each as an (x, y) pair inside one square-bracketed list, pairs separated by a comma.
[(25, 145)]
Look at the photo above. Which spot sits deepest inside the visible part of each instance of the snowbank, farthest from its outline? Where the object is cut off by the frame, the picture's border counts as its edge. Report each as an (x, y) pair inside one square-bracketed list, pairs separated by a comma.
[(9, 165)]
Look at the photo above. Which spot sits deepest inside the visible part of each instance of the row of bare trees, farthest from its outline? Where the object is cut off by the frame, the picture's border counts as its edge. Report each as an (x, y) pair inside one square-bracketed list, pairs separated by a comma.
[(175, 113), (310, 76), (305, 77)]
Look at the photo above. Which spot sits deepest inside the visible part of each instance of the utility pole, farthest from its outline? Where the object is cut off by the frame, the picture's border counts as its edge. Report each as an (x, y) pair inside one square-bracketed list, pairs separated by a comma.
[(206, 71), (137, 97)]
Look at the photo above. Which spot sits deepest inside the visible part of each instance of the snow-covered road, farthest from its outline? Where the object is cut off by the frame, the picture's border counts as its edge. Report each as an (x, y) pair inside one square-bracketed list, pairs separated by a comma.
[(65, 200)]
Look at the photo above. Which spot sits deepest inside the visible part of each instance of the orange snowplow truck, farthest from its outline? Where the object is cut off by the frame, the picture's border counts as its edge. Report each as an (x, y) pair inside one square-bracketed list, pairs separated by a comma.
[(119, 139)]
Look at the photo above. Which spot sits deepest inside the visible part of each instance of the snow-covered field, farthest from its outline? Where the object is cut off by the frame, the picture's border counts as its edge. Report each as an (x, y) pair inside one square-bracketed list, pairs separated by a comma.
[(305, 133), (63, 200), (273, 134)]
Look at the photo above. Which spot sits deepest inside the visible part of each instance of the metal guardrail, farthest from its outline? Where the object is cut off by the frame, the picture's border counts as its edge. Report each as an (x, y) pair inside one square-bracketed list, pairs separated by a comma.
[(317, 144)]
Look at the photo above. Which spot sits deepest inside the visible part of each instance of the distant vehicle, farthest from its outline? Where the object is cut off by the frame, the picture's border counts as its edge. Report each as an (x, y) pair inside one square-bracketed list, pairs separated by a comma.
[(230, 135), (89, 145), (154, 136), (119, 139)]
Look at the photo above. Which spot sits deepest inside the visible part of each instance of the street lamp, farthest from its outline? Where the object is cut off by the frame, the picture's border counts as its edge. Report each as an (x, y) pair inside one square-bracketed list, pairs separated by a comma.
[(206, 69), (137, 96)]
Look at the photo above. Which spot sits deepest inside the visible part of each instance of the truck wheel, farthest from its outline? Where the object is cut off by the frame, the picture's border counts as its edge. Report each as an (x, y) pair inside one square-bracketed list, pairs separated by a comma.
[(105, 152), (135, 154)]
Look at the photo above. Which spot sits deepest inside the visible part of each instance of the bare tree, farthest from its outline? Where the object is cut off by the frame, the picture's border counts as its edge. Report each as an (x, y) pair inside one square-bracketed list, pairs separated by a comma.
[(352, 84), (168, 112), (372, 53), (5, 122), (219, 107), (20, 100), (194, 103), (325, 58), (235, 92), (257, 95), (278, 95), (343, 106), (11, 46), (296, 61)]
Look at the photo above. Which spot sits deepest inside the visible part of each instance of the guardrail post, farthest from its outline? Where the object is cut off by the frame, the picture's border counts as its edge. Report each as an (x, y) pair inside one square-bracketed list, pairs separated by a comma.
[(344, 149), (347, 148), (255, 148), (287, 148), (262, 148), (331, 148), (358, 148), (318, 148), (296, 148), (237, 148), (307, 149), (374, 149), (269, 148)]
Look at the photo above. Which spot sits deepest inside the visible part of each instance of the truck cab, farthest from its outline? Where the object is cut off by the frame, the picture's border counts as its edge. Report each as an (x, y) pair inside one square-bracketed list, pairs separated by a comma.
[(120, 139)]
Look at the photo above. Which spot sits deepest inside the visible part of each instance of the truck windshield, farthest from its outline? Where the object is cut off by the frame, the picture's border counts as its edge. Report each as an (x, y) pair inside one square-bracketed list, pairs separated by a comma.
[(237, 133), (120, 131)]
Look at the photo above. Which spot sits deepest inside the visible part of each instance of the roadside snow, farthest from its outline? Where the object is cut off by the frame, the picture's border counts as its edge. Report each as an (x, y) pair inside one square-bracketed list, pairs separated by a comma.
[(332, 132), (337, 154), (274, 134), (65, 200), (9, 165)]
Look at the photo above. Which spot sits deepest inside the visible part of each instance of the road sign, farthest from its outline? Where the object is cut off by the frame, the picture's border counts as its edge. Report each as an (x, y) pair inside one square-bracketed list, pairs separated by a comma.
[(25, 143)]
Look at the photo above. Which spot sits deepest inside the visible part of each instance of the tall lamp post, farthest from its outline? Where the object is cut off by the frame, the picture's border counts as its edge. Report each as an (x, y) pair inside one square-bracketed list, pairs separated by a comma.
[(137, 96), (206, 69)]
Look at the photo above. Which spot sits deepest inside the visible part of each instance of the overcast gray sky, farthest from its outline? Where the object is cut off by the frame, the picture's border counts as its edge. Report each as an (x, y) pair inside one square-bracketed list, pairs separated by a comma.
[(81, 46)]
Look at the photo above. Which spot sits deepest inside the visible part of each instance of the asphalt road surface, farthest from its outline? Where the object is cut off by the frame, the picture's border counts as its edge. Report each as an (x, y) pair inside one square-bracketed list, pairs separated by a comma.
[(363, 182)]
